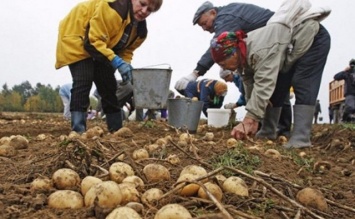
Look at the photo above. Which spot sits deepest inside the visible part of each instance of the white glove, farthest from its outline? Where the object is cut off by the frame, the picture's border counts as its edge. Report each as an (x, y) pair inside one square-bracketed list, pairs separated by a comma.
[(230, 106), (181, 84), (291, 95)]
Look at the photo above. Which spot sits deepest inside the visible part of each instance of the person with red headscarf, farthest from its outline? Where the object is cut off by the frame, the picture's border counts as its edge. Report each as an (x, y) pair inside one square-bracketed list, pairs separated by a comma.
[(259, 57)]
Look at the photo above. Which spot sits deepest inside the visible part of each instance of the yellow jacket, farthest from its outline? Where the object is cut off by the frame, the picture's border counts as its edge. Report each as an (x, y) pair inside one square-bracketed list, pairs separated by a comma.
[(96, 28)]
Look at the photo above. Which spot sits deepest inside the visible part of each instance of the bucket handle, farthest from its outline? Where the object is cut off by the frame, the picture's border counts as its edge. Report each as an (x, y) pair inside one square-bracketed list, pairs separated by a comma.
[(151, 66)]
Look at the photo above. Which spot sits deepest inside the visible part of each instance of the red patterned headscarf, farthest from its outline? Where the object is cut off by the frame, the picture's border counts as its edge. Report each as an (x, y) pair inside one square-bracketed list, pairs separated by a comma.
[(226, 44)]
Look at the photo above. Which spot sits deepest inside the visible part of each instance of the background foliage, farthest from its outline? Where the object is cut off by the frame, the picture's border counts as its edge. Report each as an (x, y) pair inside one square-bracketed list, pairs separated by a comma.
[(40, 98)]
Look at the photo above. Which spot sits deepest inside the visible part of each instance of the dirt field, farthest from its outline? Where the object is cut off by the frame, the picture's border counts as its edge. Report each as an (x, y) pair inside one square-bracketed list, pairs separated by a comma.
[(272, 183)]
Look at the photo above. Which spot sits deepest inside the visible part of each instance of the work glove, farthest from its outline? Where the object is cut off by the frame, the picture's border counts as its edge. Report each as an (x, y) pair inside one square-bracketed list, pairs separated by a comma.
[(230, 106), (181, 84), (123, 68)]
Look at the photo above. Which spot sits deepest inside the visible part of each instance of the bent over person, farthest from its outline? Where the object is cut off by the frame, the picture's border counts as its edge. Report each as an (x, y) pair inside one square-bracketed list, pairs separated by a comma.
[(210, 92), (262, 55), (95, 39)]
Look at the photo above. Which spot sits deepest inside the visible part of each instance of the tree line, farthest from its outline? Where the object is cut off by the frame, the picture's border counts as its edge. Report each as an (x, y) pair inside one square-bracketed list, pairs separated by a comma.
[(25, 98)]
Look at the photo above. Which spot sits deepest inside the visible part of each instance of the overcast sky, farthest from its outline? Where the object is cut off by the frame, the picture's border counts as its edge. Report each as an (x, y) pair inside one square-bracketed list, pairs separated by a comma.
[(29, 33)]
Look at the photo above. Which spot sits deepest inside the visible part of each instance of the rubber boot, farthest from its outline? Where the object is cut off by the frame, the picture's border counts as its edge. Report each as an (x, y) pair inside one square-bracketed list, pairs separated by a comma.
[(302, 127), (114, 121), (78, 121), (269, 124)]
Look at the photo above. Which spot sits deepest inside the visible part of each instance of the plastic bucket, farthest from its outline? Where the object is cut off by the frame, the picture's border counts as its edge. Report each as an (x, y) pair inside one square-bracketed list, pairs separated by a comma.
[(184, 113), (218, 117), (151, 87)]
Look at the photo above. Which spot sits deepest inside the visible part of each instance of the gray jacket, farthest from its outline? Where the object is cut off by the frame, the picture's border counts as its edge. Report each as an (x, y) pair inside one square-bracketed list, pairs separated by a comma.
[(267, 56), (233, 17)]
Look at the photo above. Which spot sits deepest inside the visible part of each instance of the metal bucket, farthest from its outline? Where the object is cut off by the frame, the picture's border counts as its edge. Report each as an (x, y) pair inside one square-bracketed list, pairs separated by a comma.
[(151, 87), (184, 113)]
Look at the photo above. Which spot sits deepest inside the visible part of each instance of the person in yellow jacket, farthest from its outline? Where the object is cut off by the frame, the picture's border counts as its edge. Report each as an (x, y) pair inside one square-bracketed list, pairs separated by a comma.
[(95, 39)]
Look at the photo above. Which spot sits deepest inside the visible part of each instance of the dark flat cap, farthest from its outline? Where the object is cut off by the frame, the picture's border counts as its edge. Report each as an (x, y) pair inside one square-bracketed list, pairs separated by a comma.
[(202, 9)]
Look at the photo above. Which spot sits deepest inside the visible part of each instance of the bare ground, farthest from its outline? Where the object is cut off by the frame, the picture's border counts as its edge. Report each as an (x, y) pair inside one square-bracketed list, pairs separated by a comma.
[(273, 184)]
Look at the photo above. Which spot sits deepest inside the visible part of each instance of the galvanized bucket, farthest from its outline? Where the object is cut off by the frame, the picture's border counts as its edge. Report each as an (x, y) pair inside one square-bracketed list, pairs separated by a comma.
[(184, 113), (151, 87)]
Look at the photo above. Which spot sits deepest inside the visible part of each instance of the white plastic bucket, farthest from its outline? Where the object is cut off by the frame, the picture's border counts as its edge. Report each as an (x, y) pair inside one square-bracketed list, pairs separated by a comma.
[(218, 117)]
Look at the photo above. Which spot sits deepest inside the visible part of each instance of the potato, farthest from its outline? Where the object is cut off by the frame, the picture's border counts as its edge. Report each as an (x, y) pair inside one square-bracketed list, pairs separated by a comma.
[(41, 184), (66, 178), (87, 183), (140, 154), (235, 185), (150, 195), (185, 137), (135, 180), (312, 198), (172, 211), (108, 195), (189, 189), (182, 143), (156, 173), (173, 159), (41, 137), (214, 189), (18, 142), (73, 135), (123, 213), (123, 132), (151, 148), (7, 151), (65, 199), (129, 193), (119, 170), (161, 142), (274, 154), (231, 143), (209, 136), (194, 169), (5, 140), (95, 131)]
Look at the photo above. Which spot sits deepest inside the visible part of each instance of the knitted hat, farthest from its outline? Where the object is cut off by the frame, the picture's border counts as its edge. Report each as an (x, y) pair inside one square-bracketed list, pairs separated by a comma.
[(202, 9), (220, 88), (224, 73)]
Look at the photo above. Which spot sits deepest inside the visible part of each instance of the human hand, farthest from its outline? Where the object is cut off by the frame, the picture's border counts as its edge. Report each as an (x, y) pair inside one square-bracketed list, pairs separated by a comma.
[(230, 106), (126, 72), (123, 68), (248, 127), (181, 84)]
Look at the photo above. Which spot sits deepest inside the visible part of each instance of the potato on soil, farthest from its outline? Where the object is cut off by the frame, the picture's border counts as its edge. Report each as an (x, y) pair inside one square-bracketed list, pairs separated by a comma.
[(95, 131), (66, 178), (161, 142), (65, 199), (189, 189), (120, 170), (18, 142), (312, 198), (172, 211), (5, 140), (235, 185), (108, 195), (135, 180), (151, 148), (156, 173), (214, 189), (173, 159), (150, 195), (140, 154), (123, 213), (129, 193), (88, 182), (41, 184), (185, 137), (209, 136), (274, 154), (7, 151), (123, 132), (231, 143), (194, 169)]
